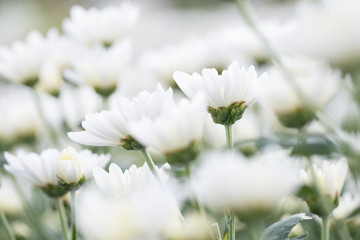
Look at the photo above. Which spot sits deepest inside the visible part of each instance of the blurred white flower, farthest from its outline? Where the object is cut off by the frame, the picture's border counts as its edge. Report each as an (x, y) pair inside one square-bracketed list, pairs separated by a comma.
[(118, 184), (315, 79), (41, 169), (16, 104), (70, 167), (347, 205), (76, 103), (197, 227), (326, 177), (110, 128), (103, 26), (146, 216), (234, 85), (224, 181), (215, 50), (22, 61), (328, 29), (100, 68), (10, 200), (173, 130)]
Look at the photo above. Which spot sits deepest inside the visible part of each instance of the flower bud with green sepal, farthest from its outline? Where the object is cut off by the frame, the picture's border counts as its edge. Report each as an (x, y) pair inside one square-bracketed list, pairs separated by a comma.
[(228, 115), (322, 185), (129, 143), (70, 169)]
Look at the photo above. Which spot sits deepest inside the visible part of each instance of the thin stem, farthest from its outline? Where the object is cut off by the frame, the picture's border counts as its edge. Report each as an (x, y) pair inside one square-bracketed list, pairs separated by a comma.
[(232, 227), (217, 231), (73, 214), (151, 165), (325, 228), (46, 123), (62, 216), (4, 222), (229, 140)]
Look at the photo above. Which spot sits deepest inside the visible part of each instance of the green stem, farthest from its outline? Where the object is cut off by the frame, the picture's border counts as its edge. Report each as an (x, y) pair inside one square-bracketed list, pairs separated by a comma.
[(49, 129), (4, 222), (62, 216), (151, 165), (217, 231), (229, 140), (232, 227), (325, 228), (73, 214)]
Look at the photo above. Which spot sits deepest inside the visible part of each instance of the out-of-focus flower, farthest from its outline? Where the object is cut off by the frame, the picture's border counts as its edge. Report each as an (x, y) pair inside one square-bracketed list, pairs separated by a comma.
[(175, 133), (323, 183), (248, 188), (196, 228), (110, 128), (326, 29), (76, 103), (10, 200), (215, 50), (70, 168), (104, 26), (145, 216), (16, 105), (118, 184), (100, 68), (347, 205), (21, 63), (41, 170), (316, 81), (228, 94)]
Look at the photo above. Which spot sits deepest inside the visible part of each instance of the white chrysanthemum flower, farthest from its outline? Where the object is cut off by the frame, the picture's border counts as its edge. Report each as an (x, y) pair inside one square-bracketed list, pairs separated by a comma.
[(234, 85), (347, 205), (21, 63), (10, 200), (41, 169), (316, 81), (326, 177), (70, 167), (145, 216), (16, 104), (110, 128), (224, 181), (100, 68), (119, 184), (76, 103), (173, 130), (339, 38), (103, 26)]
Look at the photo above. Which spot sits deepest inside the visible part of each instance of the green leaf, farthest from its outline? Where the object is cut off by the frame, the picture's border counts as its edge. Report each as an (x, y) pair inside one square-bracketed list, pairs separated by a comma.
[(281, 230)]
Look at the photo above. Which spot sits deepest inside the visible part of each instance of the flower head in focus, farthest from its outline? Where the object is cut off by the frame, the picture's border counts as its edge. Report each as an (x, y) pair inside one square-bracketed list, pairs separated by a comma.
[(104, 26), (175, 133), (228, 94), (110, 128), (70, 168), (42, 169), (322, 185)]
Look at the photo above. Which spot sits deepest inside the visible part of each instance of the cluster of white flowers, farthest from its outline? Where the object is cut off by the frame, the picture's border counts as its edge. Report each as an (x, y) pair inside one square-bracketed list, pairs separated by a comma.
[(200, 112)]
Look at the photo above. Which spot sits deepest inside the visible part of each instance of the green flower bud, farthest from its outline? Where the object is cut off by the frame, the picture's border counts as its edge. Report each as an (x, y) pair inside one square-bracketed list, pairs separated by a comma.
[(228, 115)]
